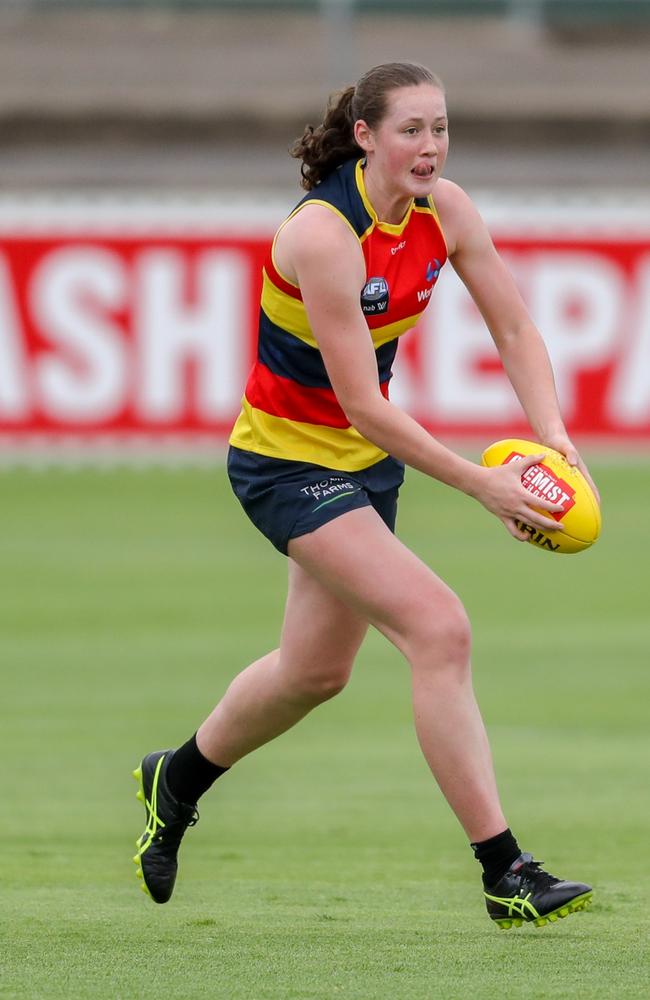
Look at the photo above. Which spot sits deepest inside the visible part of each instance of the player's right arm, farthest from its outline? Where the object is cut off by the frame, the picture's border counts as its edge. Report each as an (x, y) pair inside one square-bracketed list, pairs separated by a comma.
[(318, 251)]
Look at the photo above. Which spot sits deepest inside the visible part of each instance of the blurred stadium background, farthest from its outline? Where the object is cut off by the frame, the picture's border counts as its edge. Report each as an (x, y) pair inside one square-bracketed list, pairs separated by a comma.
[(206, 95)]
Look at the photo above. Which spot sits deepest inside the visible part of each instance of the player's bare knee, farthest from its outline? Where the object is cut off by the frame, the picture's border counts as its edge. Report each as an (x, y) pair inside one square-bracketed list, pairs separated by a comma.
[(329, 686), (457, 638), (442, 640), (320, 686)]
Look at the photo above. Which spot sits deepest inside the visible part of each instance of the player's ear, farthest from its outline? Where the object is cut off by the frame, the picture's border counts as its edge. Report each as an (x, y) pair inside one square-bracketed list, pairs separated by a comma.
[(363, 136)]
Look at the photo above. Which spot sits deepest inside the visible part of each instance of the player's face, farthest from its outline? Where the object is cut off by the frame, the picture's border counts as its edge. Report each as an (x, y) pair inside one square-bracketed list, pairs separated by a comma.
[(409, 147)]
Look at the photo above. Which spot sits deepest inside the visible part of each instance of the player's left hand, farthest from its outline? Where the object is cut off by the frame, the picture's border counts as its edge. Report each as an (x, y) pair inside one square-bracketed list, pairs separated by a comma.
[(563, 444)]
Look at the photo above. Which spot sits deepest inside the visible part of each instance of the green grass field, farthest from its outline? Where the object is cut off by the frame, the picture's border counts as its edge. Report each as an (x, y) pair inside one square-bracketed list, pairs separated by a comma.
[(326, 865)]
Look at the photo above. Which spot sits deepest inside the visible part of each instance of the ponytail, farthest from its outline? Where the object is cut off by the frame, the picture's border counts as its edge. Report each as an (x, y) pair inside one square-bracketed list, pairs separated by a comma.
[(326, 147)]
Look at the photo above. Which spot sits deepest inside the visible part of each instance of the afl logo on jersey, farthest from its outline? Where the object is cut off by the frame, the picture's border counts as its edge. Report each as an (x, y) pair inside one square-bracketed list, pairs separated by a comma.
[(374, 297)]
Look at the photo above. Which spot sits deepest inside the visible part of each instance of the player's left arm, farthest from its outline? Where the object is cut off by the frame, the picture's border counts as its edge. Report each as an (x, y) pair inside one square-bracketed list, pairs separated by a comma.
[(520, 345)]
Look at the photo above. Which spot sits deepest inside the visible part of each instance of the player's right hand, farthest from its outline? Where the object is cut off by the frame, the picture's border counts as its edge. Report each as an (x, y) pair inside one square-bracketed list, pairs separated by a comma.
[(503, 494)]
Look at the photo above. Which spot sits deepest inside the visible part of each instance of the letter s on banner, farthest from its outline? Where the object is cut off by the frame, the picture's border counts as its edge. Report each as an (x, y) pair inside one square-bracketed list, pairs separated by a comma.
[(72, 291), (14, 393)]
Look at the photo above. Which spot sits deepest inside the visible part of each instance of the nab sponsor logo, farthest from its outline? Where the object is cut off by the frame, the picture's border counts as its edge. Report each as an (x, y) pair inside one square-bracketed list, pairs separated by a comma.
[(542, 482), (375, 296)]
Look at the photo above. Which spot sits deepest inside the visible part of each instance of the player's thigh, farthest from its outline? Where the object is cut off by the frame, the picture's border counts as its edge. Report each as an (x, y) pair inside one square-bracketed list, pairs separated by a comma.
[(321, 633), (359, 559)]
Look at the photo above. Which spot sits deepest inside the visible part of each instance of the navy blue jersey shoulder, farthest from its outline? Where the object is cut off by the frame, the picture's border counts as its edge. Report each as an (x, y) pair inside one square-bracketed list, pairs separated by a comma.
[(340, 190)]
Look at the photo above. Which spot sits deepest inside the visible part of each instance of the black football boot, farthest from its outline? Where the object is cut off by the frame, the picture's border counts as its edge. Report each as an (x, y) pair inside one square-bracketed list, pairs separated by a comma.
[(527, 894), (167, 819)]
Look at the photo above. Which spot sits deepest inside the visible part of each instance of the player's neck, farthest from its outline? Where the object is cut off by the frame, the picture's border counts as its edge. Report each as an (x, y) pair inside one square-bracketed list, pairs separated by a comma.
[(388, 206)]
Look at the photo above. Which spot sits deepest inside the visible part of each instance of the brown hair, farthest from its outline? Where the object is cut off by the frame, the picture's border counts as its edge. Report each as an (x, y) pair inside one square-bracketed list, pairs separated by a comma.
[(324, 148)]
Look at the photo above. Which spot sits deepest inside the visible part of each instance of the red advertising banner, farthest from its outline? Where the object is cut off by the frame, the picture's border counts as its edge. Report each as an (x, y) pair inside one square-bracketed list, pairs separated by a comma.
[(590, 297), (126, 336), (149, 335)]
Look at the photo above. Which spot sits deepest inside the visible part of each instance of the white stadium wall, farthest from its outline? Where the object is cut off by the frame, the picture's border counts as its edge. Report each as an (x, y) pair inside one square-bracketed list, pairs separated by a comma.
[(131, 324)]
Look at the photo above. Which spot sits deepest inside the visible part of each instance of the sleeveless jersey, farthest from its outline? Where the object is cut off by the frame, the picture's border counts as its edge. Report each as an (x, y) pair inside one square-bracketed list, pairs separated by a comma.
[(289, 409)]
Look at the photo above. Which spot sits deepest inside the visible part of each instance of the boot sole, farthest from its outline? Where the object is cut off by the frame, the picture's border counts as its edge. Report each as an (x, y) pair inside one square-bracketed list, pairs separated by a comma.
[(140, 796), (579, 903)]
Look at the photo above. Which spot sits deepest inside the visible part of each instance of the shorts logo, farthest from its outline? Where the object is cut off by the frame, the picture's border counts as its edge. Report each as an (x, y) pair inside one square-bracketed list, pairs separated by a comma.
[(327, 490), (375, 296)]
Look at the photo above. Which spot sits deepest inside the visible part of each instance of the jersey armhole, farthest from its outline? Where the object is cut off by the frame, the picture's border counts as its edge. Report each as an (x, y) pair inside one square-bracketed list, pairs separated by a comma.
[(312, 201)]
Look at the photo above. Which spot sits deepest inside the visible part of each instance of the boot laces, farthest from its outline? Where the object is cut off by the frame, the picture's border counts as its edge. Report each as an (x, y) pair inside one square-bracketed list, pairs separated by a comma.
[(174, 830), (532, 873)]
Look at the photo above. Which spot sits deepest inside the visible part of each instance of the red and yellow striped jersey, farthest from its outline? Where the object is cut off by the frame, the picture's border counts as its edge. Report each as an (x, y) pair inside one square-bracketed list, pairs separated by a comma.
[(289, 409)]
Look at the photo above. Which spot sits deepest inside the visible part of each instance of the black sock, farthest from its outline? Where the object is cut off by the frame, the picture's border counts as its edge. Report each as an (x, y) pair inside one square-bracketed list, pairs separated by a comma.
[(190, 774), (496, 855)]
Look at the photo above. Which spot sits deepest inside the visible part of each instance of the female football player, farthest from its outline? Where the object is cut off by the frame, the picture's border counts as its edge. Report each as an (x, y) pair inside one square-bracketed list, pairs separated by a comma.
[(317, 458)]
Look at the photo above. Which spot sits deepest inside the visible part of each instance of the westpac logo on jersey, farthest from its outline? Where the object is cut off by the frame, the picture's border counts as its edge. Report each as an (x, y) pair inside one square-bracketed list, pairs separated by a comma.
[(375, 296), (433, 270), (431, 275)]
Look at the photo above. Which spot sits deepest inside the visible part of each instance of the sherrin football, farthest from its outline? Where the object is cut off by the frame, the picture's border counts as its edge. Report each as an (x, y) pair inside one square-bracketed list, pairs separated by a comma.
[(557, 481)]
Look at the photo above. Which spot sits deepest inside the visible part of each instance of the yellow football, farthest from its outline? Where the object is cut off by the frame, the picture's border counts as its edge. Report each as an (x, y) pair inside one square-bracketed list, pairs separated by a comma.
[(557, 481)]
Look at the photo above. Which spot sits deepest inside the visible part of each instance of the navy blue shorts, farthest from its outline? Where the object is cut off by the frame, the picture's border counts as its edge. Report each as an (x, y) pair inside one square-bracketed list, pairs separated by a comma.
[(287, 499)]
